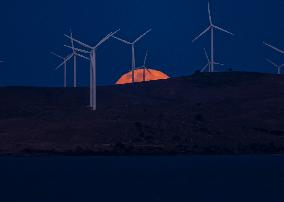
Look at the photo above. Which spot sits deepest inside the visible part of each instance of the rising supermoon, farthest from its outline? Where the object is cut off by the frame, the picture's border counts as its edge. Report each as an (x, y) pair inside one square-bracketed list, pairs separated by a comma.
[(150, 75)]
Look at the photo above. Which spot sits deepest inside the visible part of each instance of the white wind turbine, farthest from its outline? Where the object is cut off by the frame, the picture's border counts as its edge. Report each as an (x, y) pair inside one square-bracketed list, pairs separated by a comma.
[(64, 63), (74, 55), (211, 28), (65, 60), (277, 50), (144, 67), (132, 44), (279, 67), (93, 64), (209, 62)]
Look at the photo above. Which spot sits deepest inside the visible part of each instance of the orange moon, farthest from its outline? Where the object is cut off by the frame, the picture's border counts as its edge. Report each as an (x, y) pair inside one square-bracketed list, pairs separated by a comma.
[(150, 75)]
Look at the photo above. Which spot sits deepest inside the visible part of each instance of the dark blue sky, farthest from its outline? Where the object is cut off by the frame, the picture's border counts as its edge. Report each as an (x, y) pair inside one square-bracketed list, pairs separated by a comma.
[(30, 29)]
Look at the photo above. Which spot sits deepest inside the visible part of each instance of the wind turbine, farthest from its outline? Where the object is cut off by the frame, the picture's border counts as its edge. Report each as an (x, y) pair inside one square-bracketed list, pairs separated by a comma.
[(74, 55), (277, 50), (211, 28), (65, 60), (93, 64), (64, 63), (276, 65), (209, 62), (75, 61), (91, 68), (145, 68), (132, 44)]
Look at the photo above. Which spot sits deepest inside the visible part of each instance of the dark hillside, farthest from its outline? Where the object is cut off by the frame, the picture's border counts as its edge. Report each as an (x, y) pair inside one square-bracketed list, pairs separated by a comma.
[(220, 113)]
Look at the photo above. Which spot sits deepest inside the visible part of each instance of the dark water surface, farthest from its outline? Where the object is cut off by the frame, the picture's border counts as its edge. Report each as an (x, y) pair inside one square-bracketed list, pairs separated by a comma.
[(142, 179)]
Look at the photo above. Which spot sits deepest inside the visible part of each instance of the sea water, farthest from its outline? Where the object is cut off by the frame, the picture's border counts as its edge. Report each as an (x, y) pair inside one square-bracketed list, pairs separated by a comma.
[(142, 179)]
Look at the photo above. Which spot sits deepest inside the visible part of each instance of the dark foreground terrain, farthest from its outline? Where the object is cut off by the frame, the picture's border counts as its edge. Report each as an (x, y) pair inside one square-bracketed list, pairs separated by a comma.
[(222, 113), (217, 178)]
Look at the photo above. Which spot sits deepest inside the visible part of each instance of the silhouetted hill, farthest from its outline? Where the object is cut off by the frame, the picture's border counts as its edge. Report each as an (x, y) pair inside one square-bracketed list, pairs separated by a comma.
[(220, 113)]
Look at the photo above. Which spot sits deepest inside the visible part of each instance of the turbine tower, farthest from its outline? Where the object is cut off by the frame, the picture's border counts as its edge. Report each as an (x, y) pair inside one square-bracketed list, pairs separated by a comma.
[(93, 64), (211, 29), (276, 65), (132, 44), (209, 62), (144, 67), (64, 63), (75, 62)]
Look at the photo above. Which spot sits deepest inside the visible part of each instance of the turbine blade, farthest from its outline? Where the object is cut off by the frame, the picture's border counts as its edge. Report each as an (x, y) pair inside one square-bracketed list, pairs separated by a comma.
[(103, 40), (61, 64), (77, 49), (79, 42), (116, 31), (56, 55), (203, 69), (272, 63), (82, 56), (206, 55), (217, 63), (122, 40), (149, 71), (72, 42), (106, 38), (202, 33), (69, 56), (209, 13), (273, 47), (143, 35), (65, 60), (223, 30)]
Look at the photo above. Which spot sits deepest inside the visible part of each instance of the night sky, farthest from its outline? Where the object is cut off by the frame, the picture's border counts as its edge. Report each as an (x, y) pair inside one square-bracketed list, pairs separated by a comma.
[(30, 29)]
